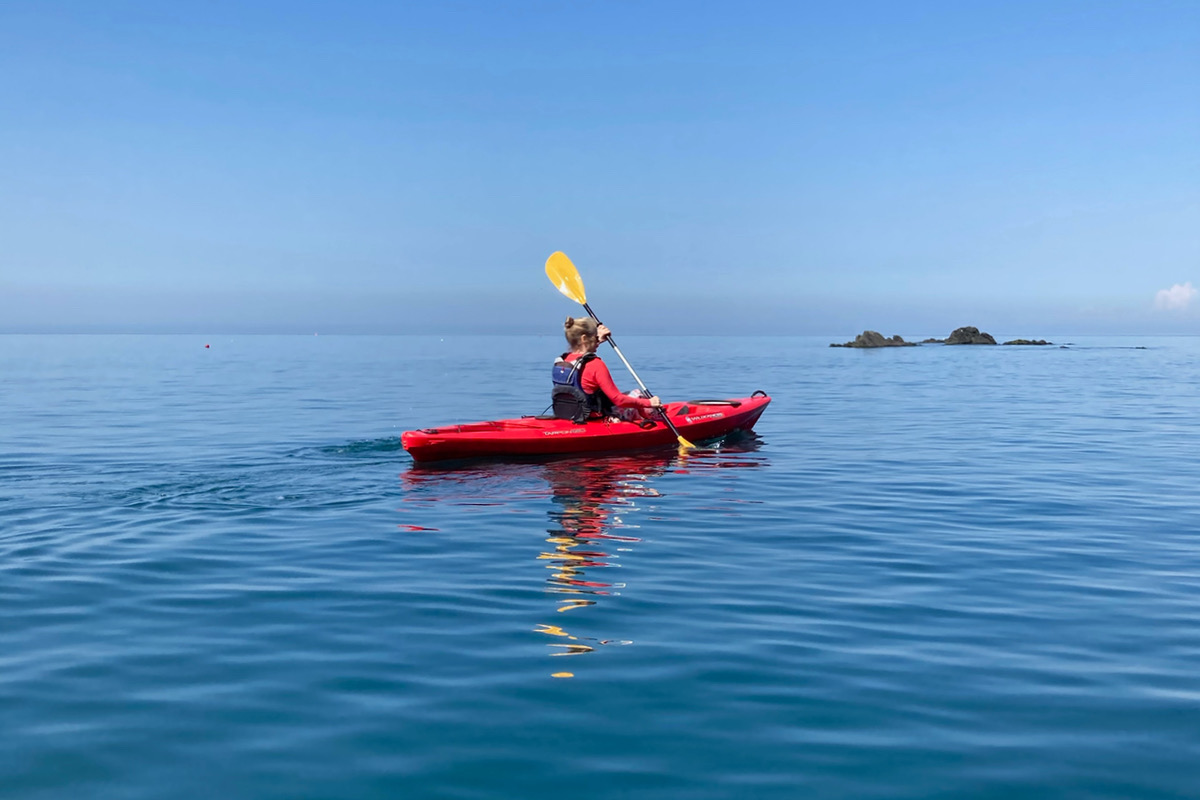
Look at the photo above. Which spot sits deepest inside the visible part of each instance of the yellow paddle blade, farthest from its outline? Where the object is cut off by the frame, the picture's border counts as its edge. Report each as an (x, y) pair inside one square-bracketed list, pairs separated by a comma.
[(565, 277), (684, 444)]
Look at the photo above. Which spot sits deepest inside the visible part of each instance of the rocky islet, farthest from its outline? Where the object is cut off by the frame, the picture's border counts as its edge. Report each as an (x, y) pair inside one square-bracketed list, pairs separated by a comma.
[(968, 334)]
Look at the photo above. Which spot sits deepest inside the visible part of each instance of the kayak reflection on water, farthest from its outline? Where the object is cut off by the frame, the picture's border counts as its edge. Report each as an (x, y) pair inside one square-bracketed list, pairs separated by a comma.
[(598, 505), (587, 496)]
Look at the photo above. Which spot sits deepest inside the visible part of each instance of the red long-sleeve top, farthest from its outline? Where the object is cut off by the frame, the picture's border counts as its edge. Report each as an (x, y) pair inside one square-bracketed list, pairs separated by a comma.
[(597, 378)]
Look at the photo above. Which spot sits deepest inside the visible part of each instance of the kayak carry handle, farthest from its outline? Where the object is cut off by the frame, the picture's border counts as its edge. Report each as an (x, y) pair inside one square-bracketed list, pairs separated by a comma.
[(734, 403)]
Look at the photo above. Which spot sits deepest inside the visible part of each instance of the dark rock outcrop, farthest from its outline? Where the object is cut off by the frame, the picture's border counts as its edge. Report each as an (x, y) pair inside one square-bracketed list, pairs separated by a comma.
[(969, 335), (876, 339)]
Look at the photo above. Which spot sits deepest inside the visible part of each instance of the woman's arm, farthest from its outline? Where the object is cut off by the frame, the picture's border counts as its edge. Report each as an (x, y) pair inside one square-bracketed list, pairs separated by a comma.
[(597, 378)]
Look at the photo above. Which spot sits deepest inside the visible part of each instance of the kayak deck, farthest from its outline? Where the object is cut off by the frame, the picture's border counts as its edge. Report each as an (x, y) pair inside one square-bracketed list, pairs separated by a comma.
[(696, 420)]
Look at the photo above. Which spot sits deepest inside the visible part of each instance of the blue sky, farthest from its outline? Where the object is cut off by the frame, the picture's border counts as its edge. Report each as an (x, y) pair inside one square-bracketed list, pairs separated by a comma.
[(1027, 167)]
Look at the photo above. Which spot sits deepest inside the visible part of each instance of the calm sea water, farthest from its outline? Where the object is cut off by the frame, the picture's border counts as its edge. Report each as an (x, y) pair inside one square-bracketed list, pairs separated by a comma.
[(934, 572)]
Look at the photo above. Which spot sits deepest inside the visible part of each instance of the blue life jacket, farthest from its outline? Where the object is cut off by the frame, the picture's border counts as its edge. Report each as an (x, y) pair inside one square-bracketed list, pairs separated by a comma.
[(567, 397)]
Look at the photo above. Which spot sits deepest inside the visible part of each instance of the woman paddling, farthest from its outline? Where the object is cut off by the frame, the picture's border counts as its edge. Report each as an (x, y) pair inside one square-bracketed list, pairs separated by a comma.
[(583, 387)]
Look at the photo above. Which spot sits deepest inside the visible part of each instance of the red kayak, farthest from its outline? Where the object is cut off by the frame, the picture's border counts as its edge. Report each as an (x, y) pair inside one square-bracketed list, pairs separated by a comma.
[(696, 420)]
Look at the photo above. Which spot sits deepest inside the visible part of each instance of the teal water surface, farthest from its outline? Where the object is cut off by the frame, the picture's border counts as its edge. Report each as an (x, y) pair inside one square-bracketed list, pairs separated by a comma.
[(931, 572)]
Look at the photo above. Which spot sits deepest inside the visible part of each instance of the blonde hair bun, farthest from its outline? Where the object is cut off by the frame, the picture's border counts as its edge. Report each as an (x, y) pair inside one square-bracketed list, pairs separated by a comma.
[(579, 328)]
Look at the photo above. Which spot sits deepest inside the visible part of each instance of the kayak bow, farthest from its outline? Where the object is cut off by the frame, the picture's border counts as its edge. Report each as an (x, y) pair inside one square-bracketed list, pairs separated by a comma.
[(536, 436)]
